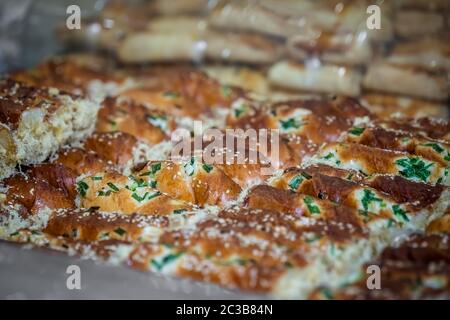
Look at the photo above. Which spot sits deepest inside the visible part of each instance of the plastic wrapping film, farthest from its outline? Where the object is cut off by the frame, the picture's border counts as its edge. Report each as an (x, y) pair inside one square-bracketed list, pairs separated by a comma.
[(277, 50), (293, 47)]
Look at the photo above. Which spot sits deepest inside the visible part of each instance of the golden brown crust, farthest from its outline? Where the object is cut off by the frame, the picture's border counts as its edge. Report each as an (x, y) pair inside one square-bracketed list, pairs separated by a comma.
[(191, 181), (412, 143), (150, 126), (43, 186), (418, 268), (100, 152), (17, 97), (94, 226), (429, 127), (183, 93), (82, 162), (113, 192), (70, 73), (116, 148)]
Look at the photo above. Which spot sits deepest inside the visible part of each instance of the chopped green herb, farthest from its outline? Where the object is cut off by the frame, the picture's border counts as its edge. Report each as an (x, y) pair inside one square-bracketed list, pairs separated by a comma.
[(154, 195), (314, 238), (147, 196), (369, 197), (240, 261), (137, 183), (435, 147), (295, 182), (158, 121), (104, 236), (156, 167), (96, 178), (312, 207), (103, 193), (357, 131), (113, 186), (208, 168), (305, 175), (120, 231), (400, 213), (327, 293), (390, 223), (14, 234), (349, 177), (166, 260), (329, 156), (137, 197), (153, 169), (189, 167), (82, 187), (290, 123), (225, 91), (243, 108), (171, 94), (179, 211), (447, 157), (405, 139), (113, 124), (414, 168)]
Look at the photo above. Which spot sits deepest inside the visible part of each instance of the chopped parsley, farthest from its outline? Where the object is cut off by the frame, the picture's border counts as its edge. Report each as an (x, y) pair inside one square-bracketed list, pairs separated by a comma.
[(305, 175), (368, 198), (104, 236), (295, 182), (207, 167), (138, 183), (179, 211), (312, 207), (158, 121), (94, 178), (82, 187), (290, 123), (113, 187), (414, 168), (357, 131), (166, 260), (390, 223), (189, 167), (313, 238), (113, 124), (153, 169), (147, 196), (171, 94), (436, 147), (225, 91), (329, 156), (243, 108), (327, 293), (400, 213), (120, 231), (103, 193)]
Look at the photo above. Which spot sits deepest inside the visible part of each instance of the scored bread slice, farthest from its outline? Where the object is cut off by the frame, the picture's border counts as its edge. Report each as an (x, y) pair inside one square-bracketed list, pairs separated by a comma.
[(35, 122)]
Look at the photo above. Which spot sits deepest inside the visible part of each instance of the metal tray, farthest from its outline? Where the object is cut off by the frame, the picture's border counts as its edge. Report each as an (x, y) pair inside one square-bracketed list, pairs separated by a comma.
[(27, 273)]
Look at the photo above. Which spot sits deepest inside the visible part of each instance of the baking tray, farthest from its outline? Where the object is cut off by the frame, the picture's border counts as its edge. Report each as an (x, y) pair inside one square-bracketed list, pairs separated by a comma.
[(33, 273)]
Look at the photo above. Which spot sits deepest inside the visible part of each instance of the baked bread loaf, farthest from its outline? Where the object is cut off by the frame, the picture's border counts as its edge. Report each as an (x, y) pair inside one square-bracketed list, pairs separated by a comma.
[(36, 122), (341, 187)]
